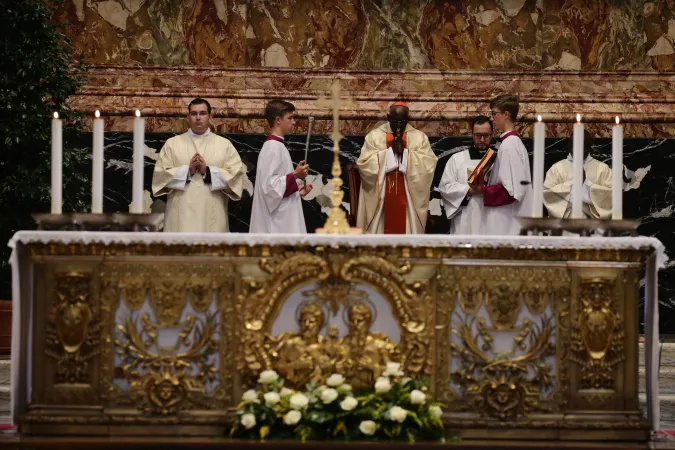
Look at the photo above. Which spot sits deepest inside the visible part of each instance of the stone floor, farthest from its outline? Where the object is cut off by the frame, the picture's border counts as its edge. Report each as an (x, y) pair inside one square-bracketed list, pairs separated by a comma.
[(4, 390)]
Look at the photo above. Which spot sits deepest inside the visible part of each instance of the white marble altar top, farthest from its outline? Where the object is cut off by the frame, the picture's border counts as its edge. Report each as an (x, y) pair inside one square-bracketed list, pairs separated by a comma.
[(366, 240)]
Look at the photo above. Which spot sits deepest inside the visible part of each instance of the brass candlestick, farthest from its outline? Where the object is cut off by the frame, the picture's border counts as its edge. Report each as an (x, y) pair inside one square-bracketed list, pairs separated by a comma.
[(337, 219)]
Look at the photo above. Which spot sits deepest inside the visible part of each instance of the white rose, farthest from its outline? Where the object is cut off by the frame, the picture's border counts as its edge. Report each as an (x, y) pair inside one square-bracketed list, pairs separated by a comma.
[(329, 395), (417, 397), (345, 388), (368, 427), (271, 398), (393, 370), (299, 401), (436, 411), (348, 403), (292, 417), (250, 396), (398, 414), (335, 380), (382, 385), (285, 392), (248, 421), (268, 376), (405, 380)]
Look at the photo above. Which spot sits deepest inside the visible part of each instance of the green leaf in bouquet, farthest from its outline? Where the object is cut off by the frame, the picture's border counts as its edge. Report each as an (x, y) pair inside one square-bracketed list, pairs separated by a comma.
[(340, 428), (415, 418)]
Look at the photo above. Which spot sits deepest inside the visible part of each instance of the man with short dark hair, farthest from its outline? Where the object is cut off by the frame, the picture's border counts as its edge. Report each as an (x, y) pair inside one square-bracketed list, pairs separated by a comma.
[(277, 204), (396, 167), (199, 172), (462, 202)]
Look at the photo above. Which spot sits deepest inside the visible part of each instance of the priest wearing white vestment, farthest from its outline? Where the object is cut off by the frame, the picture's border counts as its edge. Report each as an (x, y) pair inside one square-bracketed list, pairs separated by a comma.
[(277, 204), (199, 172), (596, 192), (462, 202), (397, 168), (508, 193)]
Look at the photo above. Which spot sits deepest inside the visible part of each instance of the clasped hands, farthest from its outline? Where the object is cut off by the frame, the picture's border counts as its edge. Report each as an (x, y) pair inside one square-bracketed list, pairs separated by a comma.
[(197, 164), (301, 172)]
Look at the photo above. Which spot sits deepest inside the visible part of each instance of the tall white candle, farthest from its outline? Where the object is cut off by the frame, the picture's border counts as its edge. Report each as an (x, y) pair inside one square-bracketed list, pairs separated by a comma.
[(139, 145), (57, 163), (617, 171), (578, 170), (97, 166), (538, 169)]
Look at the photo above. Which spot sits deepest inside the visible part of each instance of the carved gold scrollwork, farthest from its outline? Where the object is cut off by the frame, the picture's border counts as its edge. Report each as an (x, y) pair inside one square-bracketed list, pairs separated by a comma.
[(493, 380), (362, 354), (72, 335), (597, 337), (169, 355)]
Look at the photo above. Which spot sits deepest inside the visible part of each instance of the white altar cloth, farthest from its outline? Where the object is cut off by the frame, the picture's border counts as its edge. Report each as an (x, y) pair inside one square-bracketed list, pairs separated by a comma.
[(657, 260)]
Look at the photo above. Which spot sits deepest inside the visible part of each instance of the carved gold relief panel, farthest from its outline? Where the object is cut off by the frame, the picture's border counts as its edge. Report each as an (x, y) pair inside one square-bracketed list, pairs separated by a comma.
[(168, 330), (67, 353), (334, 282), (498, 333), (598, 339)]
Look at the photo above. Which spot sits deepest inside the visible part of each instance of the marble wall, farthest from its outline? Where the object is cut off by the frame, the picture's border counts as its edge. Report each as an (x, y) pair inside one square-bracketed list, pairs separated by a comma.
[(377, 34)]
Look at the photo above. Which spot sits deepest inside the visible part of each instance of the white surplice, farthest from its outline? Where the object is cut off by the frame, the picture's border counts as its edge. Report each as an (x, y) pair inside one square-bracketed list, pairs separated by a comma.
[(192, 204), (454, 188), (512, 169), (272, 212)]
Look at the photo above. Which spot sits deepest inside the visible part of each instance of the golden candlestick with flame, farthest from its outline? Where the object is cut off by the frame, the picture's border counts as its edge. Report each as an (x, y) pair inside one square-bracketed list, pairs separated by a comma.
[(337, 219)]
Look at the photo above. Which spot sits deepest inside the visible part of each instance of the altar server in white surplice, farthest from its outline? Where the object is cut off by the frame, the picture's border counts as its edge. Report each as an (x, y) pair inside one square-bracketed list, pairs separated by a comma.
[(508, 193), (277, 206), (462, 202), (200, 172), (597, 190)]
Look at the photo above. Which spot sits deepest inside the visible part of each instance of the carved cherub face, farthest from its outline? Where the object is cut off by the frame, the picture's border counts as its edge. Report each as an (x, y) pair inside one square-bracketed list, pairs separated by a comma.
[(360, 318), (311, 320)]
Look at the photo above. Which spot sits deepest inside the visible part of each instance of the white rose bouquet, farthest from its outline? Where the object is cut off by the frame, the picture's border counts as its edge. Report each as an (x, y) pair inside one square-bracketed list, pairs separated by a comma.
[(397, 408)]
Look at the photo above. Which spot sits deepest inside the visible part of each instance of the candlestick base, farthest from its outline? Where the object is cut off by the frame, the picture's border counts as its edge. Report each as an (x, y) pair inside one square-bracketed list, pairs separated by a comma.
[(99, 222), (584, 227)]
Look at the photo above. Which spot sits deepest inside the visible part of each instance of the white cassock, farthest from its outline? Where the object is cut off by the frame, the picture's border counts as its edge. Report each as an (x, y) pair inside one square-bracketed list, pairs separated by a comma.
[(511, 169), (272, 211), (597, 190), (454, 187), (192, 204), (377, 159)]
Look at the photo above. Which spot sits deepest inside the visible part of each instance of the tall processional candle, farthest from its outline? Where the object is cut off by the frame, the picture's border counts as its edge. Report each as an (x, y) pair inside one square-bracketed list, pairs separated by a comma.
[(57, 164), (578, 169), (139, 146), (97, 166), (617, 171), (538, 169)]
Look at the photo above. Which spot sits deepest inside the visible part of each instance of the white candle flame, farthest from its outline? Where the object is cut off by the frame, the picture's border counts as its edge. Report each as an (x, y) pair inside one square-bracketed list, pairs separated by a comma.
[(578, 118), (56, 115), (617, 120), (138, 113), (97, 114), (539, 118)]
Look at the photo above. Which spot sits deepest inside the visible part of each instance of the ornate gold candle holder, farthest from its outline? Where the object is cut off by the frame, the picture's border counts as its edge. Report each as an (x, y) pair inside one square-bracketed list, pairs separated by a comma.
[(99, 222), (584, 227)]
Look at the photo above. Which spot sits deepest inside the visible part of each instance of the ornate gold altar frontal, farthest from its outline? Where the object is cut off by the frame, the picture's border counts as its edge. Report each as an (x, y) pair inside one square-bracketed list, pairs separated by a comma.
[(517, 342)]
